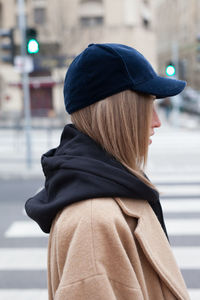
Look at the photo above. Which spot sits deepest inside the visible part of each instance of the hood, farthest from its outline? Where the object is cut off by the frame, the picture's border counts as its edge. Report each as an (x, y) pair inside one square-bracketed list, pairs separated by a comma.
[(81, 169)]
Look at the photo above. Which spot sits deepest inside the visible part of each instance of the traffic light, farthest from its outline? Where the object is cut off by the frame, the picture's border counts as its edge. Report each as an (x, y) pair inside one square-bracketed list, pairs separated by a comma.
[(7, 48), (32, 44), (170, 69)]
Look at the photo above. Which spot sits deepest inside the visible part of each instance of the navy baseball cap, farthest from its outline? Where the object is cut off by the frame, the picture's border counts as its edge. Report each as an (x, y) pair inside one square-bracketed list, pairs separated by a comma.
[(102, 70)]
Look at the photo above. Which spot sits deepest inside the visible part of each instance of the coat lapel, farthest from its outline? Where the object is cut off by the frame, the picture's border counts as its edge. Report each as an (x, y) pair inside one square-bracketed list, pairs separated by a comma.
[(155, 245)]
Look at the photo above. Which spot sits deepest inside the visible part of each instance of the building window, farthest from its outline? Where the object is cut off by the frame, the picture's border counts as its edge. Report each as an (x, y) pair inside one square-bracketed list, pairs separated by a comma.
[(146, 2), (91, 21), (91, 2), (91, 12), (146, 23), (39, 15), (146, 16), (16, 2)]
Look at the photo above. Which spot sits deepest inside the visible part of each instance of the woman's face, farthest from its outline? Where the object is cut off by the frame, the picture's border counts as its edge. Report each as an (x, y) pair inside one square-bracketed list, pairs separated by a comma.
[(155, 122)]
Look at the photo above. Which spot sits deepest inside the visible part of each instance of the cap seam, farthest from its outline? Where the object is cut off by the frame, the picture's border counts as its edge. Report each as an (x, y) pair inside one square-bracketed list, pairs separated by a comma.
[(124, 64)]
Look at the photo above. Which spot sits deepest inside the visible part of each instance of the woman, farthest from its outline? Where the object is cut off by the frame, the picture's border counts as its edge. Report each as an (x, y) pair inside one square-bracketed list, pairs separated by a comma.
[(107, 239)]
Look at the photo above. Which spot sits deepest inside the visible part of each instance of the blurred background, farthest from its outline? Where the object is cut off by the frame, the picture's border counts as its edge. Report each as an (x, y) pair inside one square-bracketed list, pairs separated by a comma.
[(38, 41)]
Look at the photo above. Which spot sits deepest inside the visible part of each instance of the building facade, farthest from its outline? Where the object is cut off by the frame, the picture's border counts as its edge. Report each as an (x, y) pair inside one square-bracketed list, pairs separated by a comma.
[(64, 28), (178, 38)]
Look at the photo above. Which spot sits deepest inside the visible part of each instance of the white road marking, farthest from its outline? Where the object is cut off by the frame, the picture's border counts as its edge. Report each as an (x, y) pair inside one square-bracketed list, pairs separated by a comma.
[(190, 226), (174, 177), (183, 226), (180, 206), (169, 190), (194, 294), (36, 258), (42, 294), (187, 257), (24, 294), (24, 229), (23, 259)]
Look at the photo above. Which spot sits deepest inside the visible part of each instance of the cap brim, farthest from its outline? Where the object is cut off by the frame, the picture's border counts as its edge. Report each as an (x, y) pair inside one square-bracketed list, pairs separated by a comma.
[(161, 87)]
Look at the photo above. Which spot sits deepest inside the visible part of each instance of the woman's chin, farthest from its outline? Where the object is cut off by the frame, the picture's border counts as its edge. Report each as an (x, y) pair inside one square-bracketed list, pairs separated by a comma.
[(150, 141)]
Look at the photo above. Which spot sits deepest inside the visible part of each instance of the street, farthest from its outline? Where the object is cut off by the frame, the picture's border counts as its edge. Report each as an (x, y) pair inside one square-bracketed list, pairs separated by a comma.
[(174, 167)]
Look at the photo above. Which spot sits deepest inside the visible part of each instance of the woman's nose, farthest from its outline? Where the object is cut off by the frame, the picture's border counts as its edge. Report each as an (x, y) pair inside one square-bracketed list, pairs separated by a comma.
[(155, 120)]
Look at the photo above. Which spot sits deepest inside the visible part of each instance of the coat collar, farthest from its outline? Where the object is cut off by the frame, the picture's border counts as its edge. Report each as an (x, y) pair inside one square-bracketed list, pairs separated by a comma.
[(154, 244)]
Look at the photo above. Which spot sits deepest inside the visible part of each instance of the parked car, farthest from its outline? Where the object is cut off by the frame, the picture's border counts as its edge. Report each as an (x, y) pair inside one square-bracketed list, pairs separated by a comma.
[(190, 101)]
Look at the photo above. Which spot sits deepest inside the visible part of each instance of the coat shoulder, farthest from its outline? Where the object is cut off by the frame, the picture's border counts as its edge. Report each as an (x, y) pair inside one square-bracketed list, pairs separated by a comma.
[(102, 211)]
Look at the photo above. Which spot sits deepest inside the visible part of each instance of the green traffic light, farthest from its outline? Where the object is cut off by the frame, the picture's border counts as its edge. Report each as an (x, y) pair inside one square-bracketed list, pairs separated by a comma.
[(33, 46), (170, 70)]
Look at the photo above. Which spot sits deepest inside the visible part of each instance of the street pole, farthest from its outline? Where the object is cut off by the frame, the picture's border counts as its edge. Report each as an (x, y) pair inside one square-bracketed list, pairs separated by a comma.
[(175, 56), (176, 99), (25, 84)]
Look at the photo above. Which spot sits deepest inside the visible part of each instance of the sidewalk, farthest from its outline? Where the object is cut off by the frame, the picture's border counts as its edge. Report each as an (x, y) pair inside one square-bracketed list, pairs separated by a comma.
[(13, 156), (13, 145)]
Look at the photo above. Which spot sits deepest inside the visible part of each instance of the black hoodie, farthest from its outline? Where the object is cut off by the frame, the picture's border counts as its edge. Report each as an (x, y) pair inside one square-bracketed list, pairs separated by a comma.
[(80, 169)]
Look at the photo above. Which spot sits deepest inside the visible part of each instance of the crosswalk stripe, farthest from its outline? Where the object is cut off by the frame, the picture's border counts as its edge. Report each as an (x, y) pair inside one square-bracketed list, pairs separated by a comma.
[(180, 206), (158, 171), (183, 226), (175, 178), (23, 258), (194, 294), (24, 229), (30, 294), (174, 226), (42, 294), (190, 226), (36, 258), (190, 190), (187, 257)]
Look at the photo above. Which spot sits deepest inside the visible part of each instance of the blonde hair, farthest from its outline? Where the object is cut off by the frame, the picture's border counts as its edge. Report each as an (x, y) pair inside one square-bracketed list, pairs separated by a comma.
[(121, 125)]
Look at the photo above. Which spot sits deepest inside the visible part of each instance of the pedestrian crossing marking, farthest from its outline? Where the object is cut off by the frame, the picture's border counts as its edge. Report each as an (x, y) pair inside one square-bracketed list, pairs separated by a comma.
[(42, 294), (187, 257), (22, 229), (194, 294), (173, 190), (175, 179), (36, 258), (23, 259), (30, 294), (181, 206), (183, 226)]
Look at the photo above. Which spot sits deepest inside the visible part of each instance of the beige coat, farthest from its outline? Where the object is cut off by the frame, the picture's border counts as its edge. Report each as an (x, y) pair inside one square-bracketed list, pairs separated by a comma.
[(111, 249)]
